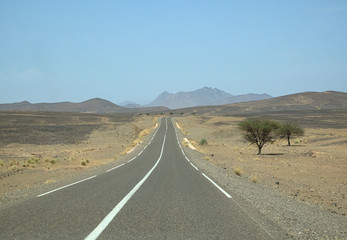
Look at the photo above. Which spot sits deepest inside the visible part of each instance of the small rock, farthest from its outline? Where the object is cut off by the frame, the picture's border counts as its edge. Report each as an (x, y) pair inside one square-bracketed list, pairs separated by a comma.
[(277, 183)]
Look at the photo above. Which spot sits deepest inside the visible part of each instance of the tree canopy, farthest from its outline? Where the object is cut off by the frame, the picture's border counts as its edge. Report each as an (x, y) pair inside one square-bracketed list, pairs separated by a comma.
[(259, 131), (288, 130)]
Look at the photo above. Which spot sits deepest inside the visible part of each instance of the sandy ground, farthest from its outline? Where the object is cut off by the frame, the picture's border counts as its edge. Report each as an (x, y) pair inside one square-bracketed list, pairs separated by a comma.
[(24, 166), (312, 170)]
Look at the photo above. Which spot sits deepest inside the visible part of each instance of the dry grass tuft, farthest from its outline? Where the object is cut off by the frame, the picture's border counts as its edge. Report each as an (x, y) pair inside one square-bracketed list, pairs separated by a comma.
[(254, 178), (238, 171)]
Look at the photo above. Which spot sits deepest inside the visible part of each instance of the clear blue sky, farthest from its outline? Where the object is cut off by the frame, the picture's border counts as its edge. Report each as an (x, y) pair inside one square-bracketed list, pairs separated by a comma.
[(54, 51)]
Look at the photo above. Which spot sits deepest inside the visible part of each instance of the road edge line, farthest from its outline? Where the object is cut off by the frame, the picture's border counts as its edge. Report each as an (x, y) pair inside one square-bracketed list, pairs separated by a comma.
[(217, 186), (57, 189)]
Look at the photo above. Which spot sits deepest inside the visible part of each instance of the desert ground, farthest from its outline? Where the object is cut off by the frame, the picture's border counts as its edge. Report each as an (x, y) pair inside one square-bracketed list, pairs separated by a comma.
[(42, 148), (313, 170)]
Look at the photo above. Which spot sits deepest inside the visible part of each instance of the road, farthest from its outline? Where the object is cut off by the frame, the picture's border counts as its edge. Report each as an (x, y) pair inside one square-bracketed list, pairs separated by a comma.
[(157, 195)]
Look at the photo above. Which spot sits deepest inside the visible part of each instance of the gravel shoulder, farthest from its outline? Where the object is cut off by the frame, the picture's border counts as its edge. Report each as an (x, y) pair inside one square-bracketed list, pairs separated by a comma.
[(297, 219)]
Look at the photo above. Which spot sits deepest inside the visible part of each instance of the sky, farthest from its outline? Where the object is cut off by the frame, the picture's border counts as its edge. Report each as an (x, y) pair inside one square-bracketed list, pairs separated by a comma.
[(53, 51)]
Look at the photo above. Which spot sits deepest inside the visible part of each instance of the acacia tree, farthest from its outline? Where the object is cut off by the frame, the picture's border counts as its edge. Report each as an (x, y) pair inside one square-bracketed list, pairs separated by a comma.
[(288, 130), (259, 131)]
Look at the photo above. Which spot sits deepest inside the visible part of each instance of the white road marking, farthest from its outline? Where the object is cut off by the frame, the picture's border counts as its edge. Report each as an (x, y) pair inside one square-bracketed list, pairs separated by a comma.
[(194, 166), (106, 221), (115, 167), (215, 184), (57, 189), (187, 159), (132, 159)]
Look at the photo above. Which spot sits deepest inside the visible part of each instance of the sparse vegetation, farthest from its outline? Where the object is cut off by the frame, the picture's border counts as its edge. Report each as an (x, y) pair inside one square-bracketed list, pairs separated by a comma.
[(52, 161), (203, 142), (13, 168), (30, 161), (14, 163), (259, 131), (254, 178), (83, 163), (238, 171), (288, 130)]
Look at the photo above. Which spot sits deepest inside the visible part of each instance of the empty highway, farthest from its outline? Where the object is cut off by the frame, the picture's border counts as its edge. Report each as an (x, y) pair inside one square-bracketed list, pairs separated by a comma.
[(159, 194)]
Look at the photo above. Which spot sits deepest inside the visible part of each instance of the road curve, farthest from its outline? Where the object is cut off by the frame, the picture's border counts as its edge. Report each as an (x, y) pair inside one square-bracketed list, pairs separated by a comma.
[(159, 194)]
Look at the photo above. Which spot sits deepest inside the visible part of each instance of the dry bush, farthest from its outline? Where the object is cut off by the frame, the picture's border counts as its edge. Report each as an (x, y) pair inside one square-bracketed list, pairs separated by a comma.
[(238, 171), (254, 178)]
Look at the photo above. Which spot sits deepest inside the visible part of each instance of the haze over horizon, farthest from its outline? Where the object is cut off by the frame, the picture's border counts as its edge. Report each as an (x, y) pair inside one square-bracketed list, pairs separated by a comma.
[(118, 51)]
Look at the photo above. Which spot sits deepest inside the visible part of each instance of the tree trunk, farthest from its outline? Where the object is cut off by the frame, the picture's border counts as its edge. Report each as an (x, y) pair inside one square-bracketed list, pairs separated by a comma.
[(259, 150), (288, 137)]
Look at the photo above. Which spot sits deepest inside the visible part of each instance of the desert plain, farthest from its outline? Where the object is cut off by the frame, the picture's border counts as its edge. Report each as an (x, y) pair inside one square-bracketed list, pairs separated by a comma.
[(312, 170), (46, 148)]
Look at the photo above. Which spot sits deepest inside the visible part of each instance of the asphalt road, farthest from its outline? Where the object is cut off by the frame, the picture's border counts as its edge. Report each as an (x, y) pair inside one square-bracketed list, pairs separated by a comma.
[(157, 195)]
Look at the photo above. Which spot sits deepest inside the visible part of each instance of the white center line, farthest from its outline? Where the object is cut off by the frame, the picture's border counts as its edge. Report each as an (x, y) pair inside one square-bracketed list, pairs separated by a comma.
[(57, 189), (106, 221)]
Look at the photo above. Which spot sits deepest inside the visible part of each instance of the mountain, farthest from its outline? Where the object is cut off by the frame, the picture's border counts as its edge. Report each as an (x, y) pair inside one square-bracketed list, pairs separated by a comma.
[(95, 105), (129, 104), (202, 97), (245, 98), (304, 102), (299, 101)]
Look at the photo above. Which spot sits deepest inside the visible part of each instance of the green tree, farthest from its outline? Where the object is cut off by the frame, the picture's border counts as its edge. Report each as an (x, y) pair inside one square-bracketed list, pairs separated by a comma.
[(259, 131), (288, 130)]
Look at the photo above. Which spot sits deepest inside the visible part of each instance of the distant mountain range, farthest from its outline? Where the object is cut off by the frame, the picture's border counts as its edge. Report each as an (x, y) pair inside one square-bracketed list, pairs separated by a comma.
[(202, 97), (204, 100), (95, 105), (306, 101)]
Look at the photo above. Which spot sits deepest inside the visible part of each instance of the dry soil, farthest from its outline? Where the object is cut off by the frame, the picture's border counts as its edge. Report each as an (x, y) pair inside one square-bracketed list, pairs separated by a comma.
[(312, 170), (45, 148)]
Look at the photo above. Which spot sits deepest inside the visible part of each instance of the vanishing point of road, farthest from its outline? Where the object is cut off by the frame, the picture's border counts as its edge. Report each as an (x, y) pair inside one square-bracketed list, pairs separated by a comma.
[(159, 194)]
